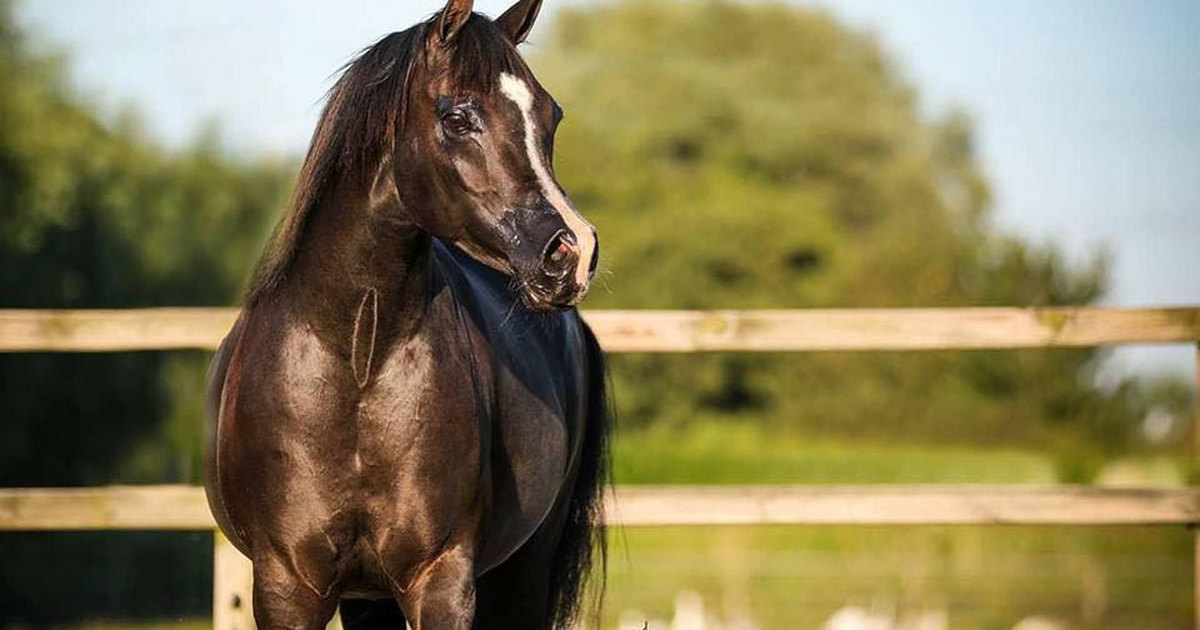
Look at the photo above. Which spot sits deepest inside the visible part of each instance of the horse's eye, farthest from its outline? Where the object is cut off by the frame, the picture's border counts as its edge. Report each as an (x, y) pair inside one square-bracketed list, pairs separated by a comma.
[(457, 123)]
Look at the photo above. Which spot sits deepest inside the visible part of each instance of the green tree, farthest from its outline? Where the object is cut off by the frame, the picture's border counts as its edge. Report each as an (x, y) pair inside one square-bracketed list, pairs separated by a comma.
[(759, 155), (93, 214)]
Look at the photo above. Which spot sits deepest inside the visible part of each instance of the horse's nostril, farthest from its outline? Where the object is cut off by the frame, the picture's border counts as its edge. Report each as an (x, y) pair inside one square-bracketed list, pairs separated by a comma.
[(560, 253), (559, 250)]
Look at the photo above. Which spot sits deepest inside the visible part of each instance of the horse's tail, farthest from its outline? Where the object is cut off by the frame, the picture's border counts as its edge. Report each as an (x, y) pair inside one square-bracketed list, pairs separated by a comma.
[(582, 546)]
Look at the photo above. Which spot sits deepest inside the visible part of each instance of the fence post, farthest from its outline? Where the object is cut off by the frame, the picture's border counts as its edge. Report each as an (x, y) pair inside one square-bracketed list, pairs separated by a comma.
[(1194, 469), (232, 578)]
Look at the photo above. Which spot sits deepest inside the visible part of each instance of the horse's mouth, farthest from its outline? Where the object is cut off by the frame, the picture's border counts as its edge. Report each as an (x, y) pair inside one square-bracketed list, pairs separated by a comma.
[(540, 300)]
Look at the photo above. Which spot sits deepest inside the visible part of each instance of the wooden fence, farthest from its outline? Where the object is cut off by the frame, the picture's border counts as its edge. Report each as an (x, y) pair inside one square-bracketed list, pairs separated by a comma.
[(184, 508)]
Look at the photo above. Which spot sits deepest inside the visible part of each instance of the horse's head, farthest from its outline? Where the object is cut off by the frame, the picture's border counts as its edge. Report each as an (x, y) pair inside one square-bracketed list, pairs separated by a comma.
[(478, 146)]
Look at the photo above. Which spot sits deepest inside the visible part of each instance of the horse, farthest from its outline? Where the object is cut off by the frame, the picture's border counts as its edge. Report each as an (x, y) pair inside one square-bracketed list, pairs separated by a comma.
[(409, 418)]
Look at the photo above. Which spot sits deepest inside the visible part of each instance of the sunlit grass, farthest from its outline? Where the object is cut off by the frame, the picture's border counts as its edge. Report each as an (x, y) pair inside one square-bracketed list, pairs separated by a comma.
[(797, 577), (728, 453), (982, 577)]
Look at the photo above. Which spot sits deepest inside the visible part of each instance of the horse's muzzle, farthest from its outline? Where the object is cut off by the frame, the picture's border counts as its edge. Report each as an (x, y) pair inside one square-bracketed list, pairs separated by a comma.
[(552, 285)]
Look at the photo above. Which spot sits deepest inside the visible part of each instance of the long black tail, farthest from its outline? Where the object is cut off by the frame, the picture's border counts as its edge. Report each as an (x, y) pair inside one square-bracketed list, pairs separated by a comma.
[(583, 545)]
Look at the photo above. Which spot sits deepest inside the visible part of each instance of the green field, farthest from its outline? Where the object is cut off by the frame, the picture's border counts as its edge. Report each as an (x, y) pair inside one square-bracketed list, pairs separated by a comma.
[(982, 578), (729, 453)]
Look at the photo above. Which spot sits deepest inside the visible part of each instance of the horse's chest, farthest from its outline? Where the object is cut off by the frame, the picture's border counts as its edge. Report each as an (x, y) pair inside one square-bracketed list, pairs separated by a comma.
[(306, 421), (420, 412)]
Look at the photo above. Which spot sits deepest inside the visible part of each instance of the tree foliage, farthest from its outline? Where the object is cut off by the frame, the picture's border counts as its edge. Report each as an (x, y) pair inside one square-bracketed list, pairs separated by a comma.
[(751, 156), (94, 214)]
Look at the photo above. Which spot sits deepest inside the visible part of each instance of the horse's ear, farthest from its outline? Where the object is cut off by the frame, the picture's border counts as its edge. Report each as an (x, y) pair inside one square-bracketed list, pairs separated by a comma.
[(451, 20), (518, 20)]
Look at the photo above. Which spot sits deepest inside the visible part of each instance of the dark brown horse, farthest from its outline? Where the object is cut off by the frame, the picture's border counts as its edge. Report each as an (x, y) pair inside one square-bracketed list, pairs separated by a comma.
[(409, 417)]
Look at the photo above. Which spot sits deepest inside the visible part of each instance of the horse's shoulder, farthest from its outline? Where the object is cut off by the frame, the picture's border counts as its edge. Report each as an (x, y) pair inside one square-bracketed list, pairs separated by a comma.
[(224, 367)]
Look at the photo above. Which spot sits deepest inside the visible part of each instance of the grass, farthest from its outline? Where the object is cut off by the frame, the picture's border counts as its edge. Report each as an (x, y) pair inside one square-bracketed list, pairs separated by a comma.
[(984, 578), (728, 453), (796, 577)]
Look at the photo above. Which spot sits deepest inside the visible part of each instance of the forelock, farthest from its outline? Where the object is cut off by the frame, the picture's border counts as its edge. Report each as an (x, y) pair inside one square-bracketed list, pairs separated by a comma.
[(482, 53)]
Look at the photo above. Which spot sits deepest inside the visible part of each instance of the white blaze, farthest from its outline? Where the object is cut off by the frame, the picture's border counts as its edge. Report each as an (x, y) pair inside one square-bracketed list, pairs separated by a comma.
[(518, 92)]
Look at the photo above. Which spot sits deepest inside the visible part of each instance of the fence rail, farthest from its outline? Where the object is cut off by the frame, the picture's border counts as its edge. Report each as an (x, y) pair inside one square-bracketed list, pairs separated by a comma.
[(184, 507), (671, 331)]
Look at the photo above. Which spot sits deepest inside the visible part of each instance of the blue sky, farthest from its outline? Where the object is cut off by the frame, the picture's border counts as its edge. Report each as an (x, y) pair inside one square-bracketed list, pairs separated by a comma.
[(1087, 111)]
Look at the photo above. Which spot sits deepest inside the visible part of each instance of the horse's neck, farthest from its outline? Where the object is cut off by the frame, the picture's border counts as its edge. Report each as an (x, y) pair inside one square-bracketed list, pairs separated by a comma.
[(357, 259)]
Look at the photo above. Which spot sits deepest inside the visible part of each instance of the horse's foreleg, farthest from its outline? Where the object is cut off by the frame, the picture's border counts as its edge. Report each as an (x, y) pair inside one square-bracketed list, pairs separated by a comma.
[(442, 596), (284, 600)]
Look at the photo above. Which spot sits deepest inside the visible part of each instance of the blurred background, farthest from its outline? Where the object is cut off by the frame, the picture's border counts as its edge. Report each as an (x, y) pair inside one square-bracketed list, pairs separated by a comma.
[(847, 153)]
